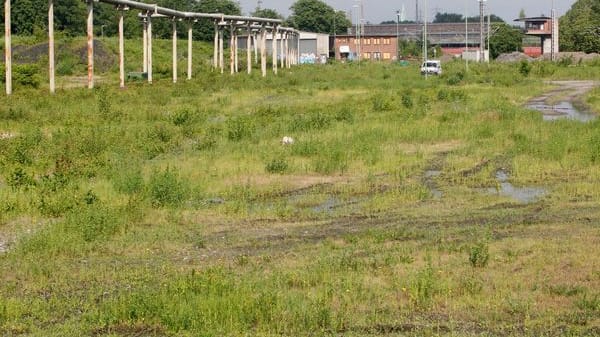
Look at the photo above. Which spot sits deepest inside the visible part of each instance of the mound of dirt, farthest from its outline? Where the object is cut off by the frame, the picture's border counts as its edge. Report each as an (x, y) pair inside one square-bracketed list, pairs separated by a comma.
[(104, 59), (575, 56), (513, 57)]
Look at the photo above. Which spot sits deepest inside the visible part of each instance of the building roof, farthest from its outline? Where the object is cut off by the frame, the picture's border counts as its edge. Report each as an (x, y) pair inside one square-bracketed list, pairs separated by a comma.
[(534, 18)]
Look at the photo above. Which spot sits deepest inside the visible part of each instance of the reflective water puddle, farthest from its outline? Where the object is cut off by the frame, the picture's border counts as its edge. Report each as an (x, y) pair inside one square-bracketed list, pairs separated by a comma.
[(524, 195), (562, 110)]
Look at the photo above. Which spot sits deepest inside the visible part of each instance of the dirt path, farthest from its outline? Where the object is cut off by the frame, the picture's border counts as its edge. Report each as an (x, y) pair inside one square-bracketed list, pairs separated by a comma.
[(566, 101)]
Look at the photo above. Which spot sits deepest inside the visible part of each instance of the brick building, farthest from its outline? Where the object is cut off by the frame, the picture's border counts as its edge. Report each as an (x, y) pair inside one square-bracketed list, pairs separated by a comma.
[(544, 28), (380, 42)]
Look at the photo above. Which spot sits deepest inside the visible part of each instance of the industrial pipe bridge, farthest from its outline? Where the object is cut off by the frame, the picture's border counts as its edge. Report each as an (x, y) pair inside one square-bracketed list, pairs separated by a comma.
[(255, 29)]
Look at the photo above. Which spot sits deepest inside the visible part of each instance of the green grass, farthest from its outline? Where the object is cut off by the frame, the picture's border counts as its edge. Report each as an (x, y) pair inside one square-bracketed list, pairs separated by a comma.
[(174, 210)]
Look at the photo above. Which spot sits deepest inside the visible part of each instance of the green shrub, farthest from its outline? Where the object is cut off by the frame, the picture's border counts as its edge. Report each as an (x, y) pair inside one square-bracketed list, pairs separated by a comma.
[(277, 165), (20, 179), (330, 159), (406, 98), (345, 114), (479, 255), (181, 117), (524, 68), (240, 128), (92, 222), (166, 188), (27, 75), (382, 102)]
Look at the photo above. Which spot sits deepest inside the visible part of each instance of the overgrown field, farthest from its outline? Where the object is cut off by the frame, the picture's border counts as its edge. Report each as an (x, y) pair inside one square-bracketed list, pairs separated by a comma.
[(174, 209)]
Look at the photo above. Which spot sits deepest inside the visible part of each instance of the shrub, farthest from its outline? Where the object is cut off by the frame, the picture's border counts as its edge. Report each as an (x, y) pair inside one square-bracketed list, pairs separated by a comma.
[(524, 68), (382, 102), (181, 117), (19, 178), (27, 75), (345, 114), (166, 188), (331, 158), (277, 165), (240, 128), (479, 255), (455, 78), (92, 222), (407, 100)]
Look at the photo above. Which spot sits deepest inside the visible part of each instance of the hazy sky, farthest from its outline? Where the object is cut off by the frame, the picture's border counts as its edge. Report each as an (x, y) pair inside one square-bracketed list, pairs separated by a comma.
[(376, 11)]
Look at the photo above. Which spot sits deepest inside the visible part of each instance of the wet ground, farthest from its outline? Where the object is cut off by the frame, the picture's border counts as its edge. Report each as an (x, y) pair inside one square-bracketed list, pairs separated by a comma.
[(565, 102), (524, 195)]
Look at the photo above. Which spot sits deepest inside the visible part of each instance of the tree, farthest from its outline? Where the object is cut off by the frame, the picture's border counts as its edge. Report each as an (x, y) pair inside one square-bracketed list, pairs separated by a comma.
[(580, 27), (505, 39), (448, 17), (205, 30), (267, 13), (522, 14), (493, 18), (316, 16)]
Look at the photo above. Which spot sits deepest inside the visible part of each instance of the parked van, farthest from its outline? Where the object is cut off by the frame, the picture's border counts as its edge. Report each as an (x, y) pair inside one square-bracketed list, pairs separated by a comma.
[(433, 67)]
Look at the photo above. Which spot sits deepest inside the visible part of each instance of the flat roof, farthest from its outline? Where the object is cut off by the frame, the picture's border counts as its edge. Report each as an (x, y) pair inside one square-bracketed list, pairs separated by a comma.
[(534, 18)]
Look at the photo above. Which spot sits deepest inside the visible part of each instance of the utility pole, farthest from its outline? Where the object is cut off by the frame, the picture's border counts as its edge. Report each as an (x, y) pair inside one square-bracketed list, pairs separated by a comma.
[(481, 30), (398, 35)]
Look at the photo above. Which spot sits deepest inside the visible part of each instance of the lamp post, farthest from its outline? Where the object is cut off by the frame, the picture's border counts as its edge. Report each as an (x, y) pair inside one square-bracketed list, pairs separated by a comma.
[(397, 35)]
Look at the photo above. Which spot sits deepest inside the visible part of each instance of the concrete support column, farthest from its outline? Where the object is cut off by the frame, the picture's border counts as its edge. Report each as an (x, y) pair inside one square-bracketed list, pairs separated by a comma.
[(216, 48), (249, 51), (145, 45), (221, 56), (90, 43), (263, 51), (231, 50), (274, 42), (254, 38), (288, 57), (121, 51), (7, 47), (189, 53), (236, 51), (149, 48), (174, 50), (282, 50), (51, 72)]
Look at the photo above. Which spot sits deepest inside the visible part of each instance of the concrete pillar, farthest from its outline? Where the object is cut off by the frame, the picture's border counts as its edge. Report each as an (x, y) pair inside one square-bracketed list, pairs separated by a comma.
[(145, 45), (216, 47), (236, 51), (221, 56), (190, 38), (149, 48), (174, 50), (254, 38), (231, 50), (90, 43), (7, 47), (121, 51), (282, 50), (51, 71), (287, 50), (263, 51), (249, 51), (274, 45)]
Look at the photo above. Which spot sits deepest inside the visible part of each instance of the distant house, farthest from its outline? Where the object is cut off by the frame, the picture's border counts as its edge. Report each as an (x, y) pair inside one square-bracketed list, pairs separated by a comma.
[(380, 42), (543, 28)]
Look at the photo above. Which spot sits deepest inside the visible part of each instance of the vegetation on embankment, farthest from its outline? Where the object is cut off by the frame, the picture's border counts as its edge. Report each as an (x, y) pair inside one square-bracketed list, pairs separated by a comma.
[(173, 209)]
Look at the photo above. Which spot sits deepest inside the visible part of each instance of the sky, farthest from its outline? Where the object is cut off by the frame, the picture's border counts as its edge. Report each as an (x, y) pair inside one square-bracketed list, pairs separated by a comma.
[(376, 11)]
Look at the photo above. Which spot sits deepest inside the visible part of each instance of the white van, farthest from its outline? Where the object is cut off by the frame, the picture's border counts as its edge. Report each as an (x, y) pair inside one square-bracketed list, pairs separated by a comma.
[(433, 67)]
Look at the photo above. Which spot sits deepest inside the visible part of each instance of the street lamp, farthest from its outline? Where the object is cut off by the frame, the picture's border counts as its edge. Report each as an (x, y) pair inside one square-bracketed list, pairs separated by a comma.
[(397, 35)]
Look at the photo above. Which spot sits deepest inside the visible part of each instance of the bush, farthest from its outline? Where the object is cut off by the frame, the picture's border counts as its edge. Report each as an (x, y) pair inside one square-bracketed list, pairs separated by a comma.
[(479, 255), (524, 68), (277, 165), (406, 98), (166, 188), (19, 178), (382, 102), (27, 75), (240, 128), (92, 222)]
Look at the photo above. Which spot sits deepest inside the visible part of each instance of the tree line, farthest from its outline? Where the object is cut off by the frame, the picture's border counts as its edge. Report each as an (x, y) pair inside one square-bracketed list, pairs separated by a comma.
[(579, 27)]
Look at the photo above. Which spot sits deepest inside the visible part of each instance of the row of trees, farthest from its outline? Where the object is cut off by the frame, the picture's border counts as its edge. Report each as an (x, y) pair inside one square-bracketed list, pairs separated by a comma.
[(31, 16), (579, 28)]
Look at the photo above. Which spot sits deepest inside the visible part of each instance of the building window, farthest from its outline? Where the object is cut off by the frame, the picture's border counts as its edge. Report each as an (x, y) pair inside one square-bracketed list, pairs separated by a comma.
[(387, 56), (367, 41), (367, 56), (377, 56), (376, 41), (386, 41)]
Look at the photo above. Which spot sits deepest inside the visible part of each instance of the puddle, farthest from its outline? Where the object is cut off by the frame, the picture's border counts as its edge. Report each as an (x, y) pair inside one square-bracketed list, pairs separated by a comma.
[(330, 204), (431, 185), (562, 110), (525, 195)]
